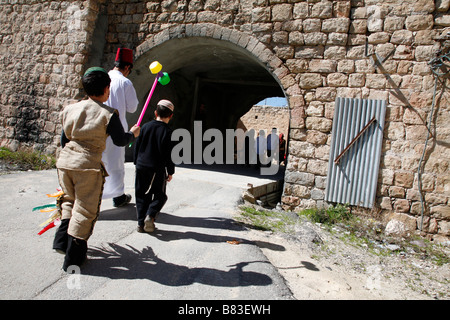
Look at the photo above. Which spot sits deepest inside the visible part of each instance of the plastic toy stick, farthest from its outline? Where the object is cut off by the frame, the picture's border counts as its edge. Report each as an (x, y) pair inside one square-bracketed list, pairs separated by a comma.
[(161, 77), (147, 102)]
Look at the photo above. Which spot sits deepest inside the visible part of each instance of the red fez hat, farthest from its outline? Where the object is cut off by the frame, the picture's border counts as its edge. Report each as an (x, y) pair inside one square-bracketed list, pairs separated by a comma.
[(124, 55)]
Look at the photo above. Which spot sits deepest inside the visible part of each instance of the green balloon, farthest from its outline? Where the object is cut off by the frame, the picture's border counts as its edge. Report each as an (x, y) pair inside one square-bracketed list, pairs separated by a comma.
[(165, 79)]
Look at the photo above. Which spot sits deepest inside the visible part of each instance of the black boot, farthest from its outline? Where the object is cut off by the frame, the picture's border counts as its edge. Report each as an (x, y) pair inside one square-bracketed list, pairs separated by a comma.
[(61, 237), (76, 252), (121, 200)]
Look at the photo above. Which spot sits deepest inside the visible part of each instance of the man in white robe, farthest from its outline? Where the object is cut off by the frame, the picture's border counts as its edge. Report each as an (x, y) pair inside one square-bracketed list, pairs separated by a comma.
[(123, 98)]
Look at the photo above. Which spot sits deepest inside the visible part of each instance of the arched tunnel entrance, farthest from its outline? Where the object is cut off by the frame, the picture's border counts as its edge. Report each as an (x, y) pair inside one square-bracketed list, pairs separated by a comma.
[(212, 81)]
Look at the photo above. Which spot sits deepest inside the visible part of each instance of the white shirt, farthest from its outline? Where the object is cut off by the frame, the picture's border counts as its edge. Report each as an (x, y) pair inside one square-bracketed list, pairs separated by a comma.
[(123, 98)]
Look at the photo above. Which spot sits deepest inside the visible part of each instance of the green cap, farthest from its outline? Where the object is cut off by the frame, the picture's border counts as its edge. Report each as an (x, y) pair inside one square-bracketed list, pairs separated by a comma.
[(94, 69)]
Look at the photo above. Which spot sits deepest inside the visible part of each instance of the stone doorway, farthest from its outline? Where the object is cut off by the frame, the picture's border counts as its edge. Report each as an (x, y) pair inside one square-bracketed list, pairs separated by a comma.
[(213, 81)]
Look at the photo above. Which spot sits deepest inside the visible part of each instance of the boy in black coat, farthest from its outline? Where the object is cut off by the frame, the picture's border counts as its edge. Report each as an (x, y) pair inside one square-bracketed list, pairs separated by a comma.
[(154, 166)]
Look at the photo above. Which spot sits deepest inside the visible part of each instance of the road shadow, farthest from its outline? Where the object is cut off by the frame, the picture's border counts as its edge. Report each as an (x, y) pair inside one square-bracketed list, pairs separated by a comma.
[(127, 212), (197, 222), (305, 264), (204, 222), (236, 169), (126, 262), (170, 235)]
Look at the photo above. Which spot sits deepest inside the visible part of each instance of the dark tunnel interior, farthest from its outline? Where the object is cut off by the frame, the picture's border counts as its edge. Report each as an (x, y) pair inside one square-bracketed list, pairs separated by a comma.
[(212, 81)]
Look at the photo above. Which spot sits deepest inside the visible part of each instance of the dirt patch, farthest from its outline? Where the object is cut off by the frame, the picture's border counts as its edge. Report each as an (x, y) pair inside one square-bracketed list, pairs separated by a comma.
[(321, 263)]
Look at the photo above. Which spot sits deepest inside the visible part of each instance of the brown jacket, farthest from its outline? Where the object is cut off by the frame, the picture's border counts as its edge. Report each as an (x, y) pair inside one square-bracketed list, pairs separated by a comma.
[(84, 124)]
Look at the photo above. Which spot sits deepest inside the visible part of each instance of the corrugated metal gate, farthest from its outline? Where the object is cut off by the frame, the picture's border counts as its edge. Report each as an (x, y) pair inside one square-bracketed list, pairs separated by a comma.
[(357, 136)]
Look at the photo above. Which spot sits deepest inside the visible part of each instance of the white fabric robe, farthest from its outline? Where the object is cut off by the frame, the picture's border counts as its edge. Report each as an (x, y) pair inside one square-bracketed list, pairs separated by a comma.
[(123, 98)]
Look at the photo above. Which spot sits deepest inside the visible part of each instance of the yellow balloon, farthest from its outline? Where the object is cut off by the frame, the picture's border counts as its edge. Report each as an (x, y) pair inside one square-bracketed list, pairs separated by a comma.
[(155, 67)]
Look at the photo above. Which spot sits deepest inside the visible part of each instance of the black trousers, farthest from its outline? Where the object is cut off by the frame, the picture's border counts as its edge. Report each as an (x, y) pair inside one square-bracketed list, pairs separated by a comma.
[(150, 192), (75, 249)]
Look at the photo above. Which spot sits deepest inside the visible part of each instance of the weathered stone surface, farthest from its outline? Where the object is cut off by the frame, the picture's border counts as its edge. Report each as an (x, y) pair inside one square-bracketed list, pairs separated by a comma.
[(419, 22), (301, 178), (316, 50), (400, 224), (310, 80)]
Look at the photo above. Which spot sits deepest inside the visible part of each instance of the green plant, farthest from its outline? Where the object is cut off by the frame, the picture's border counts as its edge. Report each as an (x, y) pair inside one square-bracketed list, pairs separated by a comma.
[(329, 216), (265, 220), (26, 159)]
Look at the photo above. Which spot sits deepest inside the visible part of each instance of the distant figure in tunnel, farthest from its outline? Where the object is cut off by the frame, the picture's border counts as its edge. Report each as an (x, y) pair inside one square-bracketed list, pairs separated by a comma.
[(154, 166), (261, 148), (124, 99), (272, 142), (282, 152)]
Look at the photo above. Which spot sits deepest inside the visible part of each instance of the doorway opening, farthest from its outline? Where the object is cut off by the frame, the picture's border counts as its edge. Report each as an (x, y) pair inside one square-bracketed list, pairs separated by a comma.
[(212, 82)]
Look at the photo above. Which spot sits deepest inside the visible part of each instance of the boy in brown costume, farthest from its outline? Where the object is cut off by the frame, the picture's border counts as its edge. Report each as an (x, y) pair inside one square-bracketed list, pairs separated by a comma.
[(81, 173)]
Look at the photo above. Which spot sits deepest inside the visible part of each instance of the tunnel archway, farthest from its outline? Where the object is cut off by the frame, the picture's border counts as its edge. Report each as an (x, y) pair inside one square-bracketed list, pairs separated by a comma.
[(212, 80)]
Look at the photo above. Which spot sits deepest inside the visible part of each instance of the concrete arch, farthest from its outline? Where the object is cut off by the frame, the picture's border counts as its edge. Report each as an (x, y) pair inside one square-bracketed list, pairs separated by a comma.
[(251, 45)]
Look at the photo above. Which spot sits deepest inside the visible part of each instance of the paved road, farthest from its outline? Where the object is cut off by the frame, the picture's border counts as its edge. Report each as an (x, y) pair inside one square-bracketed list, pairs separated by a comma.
[(188, 257)]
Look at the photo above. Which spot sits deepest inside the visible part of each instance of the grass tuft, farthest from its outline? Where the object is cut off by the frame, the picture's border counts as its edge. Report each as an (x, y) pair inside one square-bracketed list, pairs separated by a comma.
[(26, 160)]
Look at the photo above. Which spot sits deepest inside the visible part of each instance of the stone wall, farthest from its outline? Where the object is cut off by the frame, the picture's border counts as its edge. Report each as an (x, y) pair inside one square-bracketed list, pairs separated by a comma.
[(333, 60), (44, 46), (265, 118), (317, 50)]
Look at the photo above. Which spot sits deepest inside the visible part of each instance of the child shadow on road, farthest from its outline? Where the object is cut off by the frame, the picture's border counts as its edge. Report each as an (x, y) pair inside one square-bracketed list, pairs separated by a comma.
[(126, 262)]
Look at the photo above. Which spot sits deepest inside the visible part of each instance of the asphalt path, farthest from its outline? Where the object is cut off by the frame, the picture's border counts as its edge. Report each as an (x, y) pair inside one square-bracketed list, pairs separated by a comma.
[(191, 255)]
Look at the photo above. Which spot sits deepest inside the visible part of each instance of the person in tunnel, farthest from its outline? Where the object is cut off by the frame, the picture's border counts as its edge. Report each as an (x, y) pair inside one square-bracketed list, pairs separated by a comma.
[(124, 99), (272, 140), (261, 148), (154, 166), (282, 152)]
